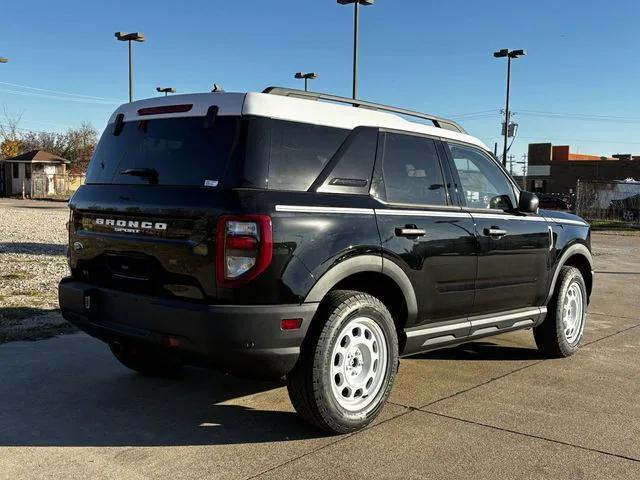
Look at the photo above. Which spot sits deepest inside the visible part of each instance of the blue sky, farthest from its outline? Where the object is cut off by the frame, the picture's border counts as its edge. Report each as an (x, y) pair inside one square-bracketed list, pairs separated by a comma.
[(434, 56)]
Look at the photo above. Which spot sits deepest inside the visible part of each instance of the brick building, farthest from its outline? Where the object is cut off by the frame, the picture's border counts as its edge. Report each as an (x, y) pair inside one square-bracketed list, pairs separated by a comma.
[(555, 169)]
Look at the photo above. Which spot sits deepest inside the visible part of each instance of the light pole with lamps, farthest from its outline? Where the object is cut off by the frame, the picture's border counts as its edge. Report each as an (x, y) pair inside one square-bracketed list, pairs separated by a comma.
[(505, 52), (130, 37), (356, 24), (306, 77), (165, 90)]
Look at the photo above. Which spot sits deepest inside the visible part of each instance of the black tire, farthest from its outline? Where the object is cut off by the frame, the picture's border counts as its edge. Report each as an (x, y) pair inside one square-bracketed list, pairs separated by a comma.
[(144, 360), (550, 336), (310, 383)]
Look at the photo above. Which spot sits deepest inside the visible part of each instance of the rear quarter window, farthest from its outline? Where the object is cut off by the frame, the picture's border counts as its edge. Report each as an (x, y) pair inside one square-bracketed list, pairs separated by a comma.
[(299, 152)]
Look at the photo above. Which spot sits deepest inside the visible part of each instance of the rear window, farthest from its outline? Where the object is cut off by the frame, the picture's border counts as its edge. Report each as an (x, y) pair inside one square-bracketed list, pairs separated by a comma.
[(171, 151)]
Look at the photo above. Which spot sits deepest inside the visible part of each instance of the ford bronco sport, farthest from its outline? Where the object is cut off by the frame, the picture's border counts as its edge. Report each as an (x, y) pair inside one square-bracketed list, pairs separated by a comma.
[(310, 237)]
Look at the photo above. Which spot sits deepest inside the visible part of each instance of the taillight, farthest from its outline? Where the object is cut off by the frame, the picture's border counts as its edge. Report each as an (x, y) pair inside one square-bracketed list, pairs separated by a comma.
[(244, 247)]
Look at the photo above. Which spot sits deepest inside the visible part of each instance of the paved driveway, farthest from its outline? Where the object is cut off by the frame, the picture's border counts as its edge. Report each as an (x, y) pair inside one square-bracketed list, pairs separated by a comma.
[(490, 409)]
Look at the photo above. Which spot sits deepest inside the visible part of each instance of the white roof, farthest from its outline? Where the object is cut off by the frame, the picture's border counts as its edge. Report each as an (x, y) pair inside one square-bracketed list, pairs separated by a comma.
[(286, 108)]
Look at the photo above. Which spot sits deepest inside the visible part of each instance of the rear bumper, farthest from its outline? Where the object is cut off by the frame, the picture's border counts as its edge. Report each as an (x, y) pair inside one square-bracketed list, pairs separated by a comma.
[(244, 339)]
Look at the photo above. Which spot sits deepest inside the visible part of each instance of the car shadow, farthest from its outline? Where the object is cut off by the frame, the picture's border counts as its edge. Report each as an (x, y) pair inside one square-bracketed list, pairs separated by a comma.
[(90, 400), (78, 395), (32, 248), (482, 351)]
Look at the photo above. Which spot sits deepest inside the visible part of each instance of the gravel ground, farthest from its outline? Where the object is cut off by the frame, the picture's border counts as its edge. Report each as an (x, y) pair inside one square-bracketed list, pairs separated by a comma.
[(32, 261)]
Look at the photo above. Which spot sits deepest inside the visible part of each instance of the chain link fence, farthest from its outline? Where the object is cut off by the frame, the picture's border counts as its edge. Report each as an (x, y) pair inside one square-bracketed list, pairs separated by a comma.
[(614, 201)]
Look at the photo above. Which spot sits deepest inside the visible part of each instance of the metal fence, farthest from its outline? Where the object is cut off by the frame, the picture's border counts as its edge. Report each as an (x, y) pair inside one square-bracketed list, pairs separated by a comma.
[(611, 201), (44, 185)]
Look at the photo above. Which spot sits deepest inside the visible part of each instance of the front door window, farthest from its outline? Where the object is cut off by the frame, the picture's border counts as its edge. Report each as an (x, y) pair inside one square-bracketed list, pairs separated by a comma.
[(483, 183)]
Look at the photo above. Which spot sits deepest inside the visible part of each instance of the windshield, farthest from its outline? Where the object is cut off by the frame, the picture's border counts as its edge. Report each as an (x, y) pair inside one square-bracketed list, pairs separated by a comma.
[(171, 151)]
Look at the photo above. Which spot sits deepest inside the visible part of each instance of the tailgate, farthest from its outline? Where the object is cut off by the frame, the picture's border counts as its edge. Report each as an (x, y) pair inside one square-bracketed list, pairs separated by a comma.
[(156, 240)]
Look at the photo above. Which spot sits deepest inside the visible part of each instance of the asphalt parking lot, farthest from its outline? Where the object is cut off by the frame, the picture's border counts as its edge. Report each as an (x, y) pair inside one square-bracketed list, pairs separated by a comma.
[(490, 409)]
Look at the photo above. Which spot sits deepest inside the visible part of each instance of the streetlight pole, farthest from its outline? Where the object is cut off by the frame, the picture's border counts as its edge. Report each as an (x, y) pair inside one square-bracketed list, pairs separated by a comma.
[(306, 77), (356, 27), (165, 90), (130, 37), (505, 52)]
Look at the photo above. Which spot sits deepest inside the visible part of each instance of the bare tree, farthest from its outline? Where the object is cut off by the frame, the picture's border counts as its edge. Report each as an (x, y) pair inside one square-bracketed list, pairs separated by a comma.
[(10, 141), (76, 144)]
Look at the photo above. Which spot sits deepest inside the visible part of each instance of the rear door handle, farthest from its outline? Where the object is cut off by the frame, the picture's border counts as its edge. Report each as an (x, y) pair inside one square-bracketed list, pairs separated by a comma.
[(494, 232), (410, 232)]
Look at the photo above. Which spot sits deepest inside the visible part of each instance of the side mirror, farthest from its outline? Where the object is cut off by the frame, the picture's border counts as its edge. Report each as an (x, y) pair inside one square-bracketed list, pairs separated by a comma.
[(528, 202), (501, 202)]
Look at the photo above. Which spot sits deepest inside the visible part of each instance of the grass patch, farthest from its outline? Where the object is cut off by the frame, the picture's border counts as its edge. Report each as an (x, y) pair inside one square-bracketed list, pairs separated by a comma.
[(614, 225), (16, 276), (30, 293)]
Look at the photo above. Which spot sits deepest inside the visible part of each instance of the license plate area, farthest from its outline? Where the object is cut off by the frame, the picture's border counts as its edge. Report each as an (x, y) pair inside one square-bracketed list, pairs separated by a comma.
[(128, 266)]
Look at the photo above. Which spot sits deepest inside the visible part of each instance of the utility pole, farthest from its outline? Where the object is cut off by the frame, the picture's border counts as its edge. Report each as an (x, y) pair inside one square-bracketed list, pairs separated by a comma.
[(525, 166), (511, 157)]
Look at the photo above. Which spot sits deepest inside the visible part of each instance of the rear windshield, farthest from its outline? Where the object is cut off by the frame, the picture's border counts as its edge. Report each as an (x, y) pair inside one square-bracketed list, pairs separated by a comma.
[(172, 151)]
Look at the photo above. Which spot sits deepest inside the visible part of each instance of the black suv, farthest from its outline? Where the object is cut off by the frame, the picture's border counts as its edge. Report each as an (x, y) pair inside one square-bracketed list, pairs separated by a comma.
[(300, 235)]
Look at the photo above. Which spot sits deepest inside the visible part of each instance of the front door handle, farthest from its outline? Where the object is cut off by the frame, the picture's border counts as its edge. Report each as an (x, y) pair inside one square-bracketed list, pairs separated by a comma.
[(410, 231), (494, 232)]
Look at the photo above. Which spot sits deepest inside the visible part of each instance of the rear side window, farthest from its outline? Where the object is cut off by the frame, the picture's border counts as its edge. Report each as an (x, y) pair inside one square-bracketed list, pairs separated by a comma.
[(171, 151), (299, 152), (411, 171)]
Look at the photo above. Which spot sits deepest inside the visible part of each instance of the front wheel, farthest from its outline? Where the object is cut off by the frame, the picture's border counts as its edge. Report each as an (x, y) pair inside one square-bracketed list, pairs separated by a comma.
[(561, 332), (347, 365)]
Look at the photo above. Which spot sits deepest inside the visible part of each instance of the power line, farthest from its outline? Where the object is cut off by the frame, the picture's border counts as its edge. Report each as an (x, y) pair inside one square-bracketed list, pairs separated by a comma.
[(28, 129), (471, 114), (583, 118), (565, 139), (54, 97), (60, 92), (583, 115)]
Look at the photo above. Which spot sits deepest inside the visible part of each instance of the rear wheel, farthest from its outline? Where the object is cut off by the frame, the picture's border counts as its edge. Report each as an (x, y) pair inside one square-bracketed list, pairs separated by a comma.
[(347, 365), (561, 332), (144, 360)]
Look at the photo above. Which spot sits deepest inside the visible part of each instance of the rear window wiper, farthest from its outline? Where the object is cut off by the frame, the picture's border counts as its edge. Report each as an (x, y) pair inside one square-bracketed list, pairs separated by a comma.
[(150, 173)]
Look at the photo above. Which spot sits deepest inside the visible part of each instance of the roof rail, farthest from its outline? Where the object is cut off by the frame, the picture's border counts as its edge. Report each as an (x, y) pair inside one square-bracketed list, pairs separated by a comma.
[(292, 92)]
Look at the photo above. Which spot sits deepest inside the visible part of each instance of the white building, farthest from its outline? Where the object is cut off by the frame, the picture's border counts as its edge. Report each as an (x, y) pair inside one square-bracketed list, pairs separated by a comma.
[(35, 170)]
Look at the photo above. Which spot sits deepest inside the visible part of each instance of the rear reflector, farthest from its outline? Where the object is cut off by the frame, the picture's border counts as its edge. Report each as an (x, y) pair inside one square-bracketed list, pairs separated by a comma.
[(291, 323), (241, 243), (171, 342), (165, 109)]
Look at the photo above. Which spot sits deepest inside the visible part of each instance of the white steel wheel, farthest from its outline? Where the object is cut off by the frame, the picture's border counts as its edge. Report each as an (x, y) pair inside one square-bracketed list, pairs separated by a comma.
[(573, 313), (347, 364), (560, 333), (358, 364)]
